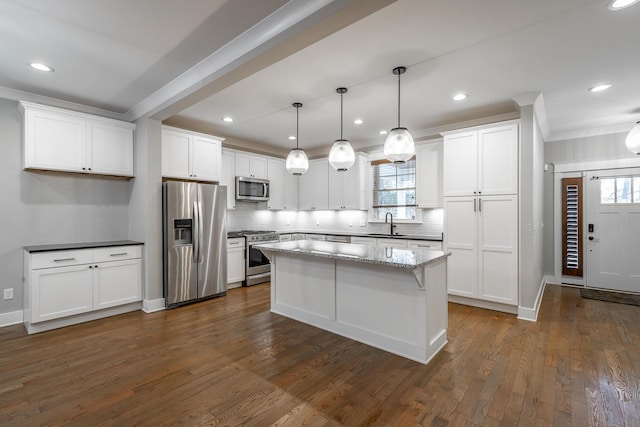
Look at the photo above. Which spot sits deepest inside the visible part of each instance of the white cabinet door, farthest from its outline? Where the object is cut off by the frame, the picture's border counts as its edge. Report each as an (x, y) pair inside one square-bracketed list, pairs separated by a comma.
[(391, 243), (228, 177), (348, 189), (117, 283), (235, 260), (429, 175), (109, 148), (275, 175), (316, 237), (60, 292), (461, 239), (498, 248), (498, 161), (291, 185), (251, 165), (460, 164), (205, 159), (314, 186), (175, 154), (54, 141)]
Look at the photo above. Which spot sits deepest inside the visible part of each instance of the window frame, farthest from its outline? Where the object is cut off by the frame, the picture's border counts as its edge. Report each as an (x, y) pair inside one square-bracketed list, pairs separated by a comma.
[(632, 178), (373, 158)]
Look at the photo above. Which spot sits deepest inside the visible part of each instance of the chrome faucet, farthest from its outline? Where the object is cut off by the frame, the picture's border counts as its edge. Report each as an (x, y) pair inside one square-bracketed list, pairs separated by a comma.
[(386, 217)]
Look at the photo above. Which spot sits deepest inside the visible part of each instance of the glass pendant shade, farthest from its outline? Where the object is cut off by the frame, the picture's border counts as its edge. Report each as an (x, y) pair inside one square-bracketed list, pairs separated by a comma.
[(399, 146), (297, 162), (633, 139), (341, 156)]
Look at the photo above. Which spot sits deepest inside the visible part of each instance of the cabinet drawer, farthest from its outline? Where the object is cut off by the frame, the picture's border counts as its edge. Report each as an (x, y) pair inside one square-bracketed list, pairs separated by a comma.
[(116, 253), (235, 243), (60, 258), (426, 244)]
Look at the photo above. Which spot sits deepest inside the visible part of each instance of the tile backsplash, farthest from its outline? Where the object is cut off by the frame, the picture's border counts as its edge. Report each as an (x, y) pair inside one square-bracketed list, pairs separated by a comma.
[(252, 216)]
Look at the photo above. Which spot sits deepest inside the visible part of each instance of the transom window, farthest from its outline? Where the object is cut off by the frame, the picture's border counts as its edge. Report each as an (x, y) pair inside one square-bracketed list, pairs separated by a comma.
[(394, 189), (621, 189)]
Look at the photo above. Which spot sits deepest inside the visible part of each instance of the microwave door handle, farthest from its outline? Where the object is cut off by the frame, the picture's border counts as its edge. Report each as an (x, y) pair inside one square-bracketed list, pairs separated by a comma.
[(265, 191), (195, 231)]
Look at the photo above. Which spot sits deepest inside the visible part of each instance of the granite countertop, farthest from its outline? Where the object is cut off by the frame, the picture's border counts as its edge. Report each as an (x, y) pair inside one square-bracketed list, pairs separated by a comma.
[(437, 238), (395, 257), (85, 245)]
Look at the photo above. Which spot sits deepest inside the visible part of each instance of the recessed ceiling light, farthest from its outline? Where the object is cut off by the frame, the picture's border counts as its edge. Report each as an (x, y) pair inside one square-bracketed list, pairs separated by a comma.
[(620, 4), (292, 137), (459, 96), (227, 119), (600, 88), (358, 122), (41, 67), (383, 132)]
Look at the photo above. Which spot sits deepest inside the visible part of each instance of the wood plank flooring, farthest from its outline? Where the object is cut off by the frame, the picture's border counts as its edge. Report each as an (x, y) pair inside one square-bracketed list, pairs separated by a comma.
[(229, 361)]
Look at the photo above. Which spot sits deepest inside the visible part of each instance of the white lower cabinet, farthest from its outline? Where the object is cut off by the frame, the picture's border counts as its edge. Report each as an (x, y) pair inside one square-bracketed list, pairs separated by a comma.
[(359, 240), (482, 235), (235, 262), (424, 244), (62, 284), (391, 243)]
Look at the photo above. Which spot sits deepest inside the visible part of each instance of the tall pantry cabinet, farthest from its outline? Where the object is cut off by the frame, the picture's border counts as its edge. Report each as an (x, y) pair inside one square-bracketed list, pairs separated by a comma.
[(481, 215)]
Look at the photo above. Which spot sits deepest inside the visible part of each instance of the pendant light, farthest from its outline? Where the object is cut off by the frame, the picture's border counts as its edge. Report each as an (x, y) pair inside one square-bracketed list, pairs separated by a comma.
[(399, 146), (341, 156), (633, 139), (297, 160)]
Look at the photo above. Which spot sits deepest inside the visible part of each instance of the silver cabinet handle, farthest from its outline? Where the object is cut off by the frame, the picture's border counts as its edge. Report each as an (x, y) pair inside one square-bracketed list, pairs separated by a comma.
[(233, 243), (120, 254), (475, 208), (479, 205), (64, 259)]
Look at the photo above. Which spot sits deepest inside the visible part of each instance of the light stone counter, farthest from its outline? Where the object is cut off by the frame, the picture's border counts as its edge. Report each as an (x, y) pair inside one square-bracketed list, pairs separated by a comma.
[(389, 298), (395, 257)]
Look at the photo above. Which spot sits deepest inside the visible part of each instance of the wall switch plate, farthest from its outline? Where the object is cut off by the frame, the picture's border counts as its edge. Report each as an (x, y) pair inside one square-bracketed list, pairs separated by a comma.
[(8, 293)]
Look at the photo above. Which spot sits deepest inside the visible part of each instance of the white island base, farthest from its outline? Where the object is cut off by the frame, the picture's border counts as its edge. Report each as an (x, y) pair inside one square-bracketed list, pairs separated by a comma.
[(400, 310)]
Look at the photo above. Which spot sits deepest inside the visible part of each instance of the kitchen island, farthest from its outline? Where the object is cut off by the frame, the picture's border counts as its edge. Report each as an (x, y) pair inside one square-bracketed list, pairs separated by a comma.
[(393, 299)]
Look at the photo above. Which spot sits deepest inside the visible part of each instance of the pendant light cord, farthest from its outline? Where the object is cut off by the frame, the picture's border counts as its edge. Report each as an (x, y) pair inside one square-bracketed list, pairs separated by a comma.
[(297, 125), (398, 99), (341, 116)]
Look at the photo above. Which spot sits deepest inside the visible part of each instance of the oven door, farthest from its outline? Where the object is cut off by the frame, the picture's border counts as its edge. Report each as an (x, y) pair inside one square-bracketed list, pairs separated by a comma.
[(257, 263)]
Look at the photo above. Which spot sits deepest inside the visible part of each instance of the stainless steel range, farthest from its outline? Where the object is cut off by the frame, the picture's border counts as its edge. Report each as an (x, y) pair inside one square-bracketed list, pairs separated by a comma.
[(258, 268)]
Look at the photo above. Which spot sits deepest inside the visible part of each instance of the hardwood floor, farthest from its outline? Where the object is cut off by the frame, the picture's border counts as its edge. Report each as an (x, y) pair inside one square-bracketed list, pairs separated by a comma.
[(229, 361)]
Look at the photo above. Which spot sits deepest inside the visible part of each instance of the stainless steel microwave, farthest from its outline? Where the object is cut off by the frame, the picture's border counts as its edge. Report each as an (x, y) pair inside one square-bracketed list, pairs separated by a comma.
[(252, 189)]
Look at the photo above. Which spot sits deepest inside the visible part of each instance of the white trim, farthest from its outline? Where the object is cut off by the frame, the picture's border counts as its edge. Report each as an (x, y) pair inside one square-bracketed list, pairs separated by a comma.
[(531, 314), (586, 133), (11, 318), (152, 305), (627, 162), (483, 126), (488, 305), (62, 322)]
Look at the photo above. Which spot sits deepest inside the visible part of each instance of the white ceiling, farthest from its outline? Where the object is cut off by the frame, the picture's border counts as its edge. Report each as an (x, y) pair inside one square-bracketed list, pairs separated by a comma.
[(133, 58)]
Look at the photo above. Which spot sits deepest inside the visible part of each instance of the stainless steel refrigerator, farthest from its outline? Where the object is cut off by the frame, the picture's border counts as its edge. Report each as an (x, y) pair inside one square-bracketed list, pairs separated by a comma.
[(195, 241)]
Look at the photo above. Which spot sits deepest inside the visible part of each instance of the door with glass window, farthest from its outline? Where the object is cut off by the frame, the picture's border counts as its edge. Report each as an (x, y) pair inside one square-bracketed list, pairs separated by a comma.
[(613, 230)]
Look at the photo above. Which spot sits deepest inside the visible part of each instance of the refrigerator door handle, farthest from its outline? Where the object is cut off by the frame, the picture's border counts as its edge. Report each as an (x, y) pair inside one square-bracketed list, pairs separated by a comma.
[(200, 232), (196, 232)]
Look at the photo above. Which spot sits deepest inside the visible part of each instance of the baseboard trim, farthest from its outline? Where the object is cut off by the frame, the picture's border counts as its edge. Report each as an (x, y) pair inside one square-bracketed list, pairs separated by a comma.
[(488, 305), (11, 318), (153, 305), (531, 314)]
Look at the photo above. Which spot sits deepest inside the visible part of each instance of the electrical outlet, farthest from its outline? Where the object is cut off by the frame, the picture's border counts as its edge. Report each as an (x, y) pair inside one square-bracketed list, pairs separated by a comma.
[(318, 222), (362, 223), (350, 223), (8, 293)]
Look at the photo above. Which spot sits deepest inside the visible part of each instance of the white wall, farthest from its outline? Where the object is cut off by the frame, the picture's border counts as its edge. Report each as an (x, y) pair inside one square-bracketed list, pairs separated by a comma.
[(42, 208)]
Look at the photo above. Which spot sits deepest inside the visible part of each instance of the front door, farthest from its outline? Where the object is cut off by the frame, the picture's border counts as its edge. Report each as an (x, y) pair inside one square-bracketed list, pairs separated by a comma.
[(613, 230)]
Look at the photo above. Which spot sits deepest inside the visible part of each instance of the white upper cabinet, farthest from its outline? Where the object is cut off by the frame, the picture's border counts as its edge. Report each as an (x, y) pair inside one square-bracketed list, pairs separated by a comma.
[(228, 176), (62, 140), (348, 189), (314, 186), (275, 175), (483, 161), (291, 185), (251, 165), (190, 155), (429, 175)]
